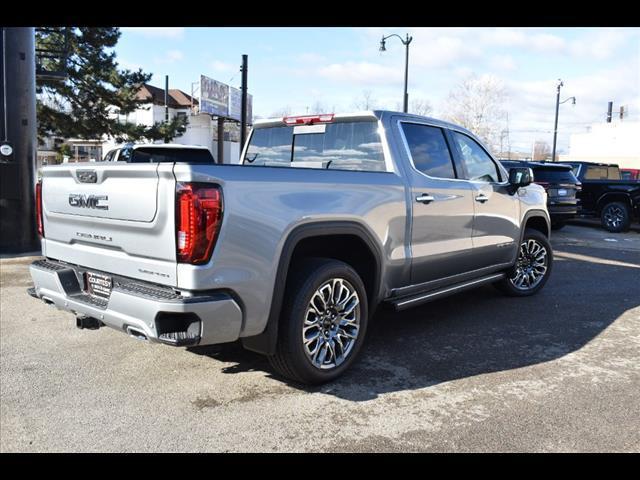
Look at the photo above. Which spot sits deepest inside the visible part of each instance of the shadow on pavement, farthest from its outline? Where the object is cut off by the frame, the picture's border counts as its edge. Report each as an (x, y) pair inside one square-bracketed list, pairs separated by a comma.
[(480, 331)]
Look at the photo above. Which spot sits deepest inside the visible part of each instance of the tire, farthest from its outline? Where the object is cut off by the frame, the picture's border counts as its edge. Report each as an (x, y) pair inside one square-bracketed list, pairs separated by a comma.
[(557, 225), (615, 217), (509, 285), (313, 280)]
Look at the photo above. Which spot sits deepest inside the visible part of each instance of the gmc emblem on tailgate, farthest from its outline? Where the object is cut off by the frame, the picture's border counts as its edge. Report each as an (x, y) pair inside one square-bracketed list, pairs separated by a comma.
[(89, 201)]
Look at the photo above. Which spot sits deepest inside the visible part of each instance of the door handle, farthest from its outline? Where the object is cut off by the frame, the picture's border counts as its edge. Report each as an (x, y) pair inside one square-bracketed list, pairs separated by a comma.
[(482, 198), (425, 198)]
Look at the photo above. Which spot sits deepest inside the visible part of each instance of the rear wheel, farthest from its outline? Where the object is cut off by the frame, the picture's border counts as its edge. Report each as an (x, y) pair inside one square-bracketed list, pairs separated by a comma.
[(532, 268), (615, 217), (323, 323)]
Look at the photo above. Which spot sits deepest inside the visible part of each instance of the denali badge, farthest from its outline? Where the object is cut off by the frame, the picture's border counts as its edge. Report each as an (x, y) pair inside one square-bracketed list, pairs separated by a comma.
[(89, 201)]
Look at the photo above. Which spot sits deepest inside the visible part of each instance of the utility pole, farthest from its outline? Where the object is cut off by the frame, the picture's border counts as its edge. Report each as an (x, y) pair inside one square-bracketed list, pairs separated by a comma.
[(220, 158), (609, 111), (18, 142), (243, 106), (166, 98)]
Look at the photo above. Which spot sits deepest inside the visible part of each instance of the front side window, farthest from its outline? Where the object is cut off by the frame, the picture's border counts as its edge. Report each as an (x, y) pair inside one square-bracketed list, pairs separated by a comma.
[(429, 150), (334, 146), (479, 165)]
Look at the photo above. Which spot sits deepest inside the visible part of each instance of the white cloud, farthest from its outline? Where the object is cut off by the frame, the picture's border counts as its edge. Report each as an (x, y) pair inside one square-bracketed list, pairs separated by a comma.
[(502, 62), (533, 102), (361, 73), (603, 43), (547, 42), (156, 32), (170, 56), (223, 66), (310, 57)]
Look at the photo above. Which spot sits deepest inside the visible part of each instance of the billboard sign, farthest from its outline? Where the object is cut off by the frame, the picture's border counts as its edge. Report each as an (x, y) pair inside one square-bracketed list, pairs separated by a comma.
[(235, 105), (214, 97)]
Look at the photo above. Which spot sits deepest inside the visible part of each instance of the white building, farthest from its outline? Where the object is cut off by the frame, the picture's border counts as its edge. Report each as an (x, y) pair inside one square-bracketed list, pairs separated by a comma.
[(615, 143), (201, 129)]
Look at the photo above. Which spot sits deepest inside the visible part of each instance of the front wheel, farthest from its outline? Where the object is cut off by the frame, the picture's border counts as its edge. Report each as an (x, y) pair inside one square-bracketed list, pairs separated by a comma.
[(323, 323), (532, 268)]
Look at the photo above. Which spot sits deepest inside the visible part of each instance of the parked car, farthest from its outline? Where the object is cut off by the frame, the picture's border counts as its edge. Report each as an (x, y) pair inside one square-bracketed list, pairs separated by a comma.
[(560, 184), (328, 218), (605, 195), (630, 174), (158, 153)]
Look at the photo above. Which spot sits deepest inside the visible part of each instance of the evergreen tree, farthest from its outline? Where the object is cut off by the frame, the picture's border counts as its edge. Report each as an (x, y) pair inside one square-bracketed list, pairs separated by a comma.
[(81, 106)]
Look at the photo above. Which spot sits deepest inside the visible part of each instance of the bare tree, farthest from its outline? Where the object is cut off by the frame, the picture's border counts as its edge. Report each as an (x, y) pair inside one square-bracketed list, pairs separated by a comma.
[(477, 104), (283, 112), (319, 107), (541, 150), (366, 102), (420, 106)]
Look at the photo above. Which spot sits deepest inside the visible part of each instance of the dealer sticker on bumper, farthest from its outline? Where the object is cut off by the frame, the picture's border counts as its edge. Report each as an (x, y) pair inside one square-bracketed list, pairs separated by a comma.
[(99, 284)]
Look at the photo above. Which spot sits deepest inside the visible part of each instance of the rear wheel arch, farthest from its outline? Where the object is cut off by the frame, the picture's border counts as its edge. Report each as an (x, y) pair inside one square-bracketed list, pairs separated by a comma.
[(612, 197), (318, 239)]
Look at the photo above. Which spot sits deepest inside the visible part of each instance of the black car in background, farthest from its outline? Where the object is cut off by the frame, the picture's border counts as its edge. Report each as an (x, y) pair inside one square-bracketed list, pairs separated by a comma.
[(606, 195), (561, 185)]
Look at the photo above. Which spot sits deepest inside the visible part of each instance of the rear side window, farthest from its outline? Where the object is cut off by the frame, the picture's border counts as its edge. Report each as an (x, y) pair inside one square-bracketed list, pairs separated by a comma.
[(334, 146), (613, 173), (596, 173), (429, 150), (161, 155)]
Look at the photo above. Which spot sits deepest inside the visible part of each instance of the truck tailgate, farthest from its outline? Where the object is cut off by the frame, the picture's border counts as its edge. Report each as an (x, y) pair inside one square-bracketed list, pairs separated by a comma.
[(117, 218)]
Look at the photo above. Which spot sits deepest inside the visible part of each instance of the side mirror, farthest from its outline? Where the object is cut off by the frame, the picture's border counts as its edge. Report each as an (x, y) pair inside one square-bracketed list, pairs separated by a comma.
[(520, 177)]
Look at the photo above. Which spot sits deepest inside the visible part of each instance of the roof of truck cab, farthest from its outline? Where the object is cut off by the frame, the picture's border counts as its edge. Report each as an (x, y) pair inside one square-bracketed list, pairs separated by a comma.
[(135, 146), (372, 114)]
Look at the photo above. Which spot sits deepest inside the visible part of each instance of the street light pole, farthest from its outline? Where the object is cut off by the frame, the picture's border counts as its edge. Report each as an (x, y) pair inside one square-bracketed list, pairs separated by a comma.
[(406, 43), (555, 127)]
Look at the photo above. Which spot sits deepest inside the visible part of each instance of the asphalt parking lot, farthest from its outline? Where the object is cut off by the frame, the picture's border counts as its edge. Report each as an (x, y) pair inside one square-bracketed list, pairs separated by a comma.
[(559, 371)]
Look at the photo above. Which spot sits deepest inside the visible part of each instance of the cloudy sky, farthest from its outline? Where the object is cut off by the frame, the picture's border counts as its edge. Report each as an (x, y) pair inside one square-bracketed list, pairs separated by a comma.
[(298, 67)]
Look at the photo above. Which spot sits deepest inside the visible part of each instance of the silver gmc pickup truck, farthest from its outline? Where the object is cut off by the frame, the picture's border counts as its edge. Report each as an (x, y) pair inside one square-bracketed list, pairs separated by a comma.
[(327, 218)]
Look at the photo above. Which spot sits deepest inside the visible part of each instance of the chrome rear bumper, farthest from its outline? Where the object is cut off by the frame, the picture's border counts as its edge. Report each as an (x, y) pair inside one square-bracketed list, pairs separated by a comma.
[(141, 309)]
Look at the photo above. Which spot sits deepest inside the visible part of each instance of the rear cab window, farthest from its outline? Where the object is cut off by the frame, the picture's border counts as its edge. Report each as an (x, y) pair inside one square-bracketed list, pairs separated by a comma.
[(162, 155), (554, 175), (348, 145)]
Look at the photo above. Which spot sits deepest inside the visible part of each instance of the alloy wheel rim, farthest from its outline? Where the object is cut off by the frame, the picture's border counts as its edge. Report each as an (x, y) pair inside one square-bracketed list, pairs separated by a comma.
[(613, 216), (332, 324), (531, 266)]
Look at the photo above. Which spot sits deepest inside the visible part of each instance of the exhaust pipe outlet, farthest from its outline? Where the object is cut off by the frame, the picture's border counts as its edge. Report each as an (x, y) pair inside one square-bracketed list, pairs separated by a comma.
[(89, 323), (137, 334)]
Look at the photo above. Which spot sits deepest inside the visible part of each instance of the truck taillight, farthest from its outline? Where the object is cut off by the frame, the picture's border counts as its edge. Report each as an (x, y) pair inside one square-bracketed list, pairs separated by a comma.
[(198, 218), (39, 208), (309, 119)]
